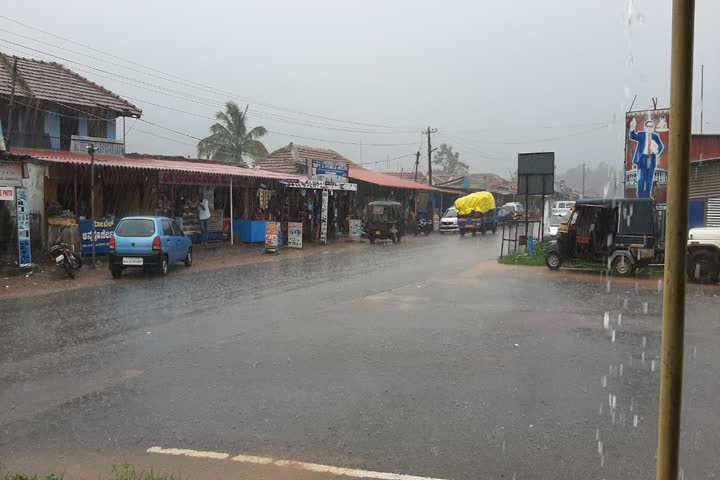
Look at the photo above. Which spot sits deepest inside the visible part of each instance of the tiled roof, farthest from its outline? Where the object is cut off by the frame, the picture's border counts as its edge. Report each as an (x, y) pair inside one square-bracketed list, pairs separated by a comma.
[(377, 178), (292, 158), (409, 175), (489, 181), (149, 163), (52, 82)]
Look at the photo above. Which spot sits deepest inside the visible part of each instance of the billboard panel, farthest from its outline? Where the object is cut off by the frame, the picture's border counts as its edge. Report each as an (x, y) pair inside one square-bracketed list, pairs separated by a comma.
[(646, 154), (536, 173)]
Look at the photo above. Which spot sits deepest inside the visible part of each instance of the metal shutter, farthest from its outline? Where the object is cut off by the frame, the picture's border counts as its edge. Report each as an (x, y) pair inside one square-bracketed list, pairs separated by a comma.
[(713, 212)]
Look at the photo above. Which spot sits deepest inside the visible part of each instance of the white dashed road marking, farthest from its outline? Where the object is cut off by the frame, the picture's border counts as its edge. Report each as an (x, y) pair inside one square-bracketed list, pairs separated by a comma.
[(311, 467)]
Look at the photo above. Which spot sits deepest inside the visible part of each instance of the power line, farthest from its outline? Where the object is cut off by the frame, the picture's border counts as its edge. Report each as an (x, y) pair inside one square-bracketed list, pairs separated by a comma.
[(177, 79), (187, 96)]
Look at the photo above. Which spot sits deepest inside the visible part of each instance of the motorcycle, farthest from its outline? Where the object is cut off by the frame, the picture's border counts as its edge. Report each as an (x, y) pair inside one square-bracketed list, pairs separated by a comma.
[(63, 254), (424, 225)]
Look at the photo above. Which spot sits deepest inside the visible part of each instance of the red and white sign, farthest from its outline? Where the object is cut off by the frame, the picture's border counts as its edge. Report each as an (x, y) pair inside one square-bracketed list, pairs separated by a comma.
[(7, 194)]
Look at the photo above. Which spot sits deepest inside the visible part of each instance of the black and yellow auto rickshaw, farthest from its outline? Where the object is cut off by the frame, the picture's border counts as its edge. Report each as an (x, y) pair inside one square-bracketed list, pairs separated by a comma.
[(385, 221), (621, 232)]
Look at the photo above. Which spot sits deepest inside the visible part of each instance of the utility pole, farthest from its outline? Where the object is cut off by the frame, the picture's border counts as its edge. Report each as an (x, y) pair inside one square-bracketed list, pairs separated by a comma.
[(12, 105), (91, 150), (428, 132), (417, 163), (583, 185), (673, 326), (702, 94)]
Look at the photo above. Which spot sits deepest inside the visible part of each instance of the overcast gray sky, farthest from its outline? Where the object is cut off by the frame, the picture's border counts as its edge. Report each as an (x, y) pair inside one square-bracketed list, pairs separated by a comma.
[(495, 78)]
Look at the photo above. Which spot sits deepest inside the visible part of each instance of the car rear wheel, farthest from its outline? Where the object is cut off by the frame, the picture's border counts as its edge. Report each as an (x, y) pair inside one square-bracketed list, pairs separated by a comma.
[(164, 266), (702, 268), (553, 261), (188, 258), (115, 271)]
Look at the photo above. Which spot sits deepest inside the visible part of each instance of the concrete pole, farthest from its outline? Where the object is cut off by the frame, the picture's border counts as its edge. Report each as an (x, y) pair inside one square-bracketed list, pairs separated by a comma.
[(673, 329), (232, 233)]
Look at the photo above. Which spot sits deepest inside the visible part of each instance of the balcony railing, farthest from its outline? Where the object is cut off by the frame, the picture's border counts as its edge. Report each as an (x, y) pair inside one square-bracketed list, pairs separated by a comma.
[(76, 143)]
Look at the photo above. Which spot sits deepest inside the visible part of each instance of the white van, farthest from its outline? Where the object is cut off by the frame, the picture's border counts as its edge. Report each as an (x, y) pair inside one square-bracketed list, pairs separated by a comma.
[(562, 207)]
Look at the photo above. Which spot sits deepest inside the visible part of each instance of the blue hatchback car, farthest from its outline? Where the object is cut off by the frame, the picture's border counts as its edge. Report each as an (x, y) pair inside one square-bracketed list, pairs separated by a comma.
[(152, 243)]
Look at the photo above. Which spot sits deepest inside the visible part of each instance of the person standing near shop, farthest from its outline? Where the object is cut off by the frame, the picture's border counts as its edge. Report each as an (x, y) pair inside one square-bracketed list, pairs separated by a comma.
[(204, 217)]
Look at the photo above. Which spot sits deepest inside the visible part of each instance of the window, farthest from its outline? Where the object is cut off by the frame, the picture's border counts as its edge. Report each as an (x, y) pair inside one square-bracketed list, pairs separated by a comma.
[(177, 231), (167, 229), (135, 227)]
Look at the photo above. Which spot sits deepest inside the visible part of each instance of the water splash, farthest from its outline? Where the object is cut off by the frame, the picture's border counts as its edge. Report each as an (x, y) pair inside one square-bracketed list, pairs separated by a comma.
[(652, 365), (606, 321), (642, 357), (619, 322), (635, 420), (621, 369), (602, 461), (645, 307), (659, 286), (694, 353), (597, 434), (503, 448), (644, 342), (603, 381), (601, 409), (600, 447), (613, 336)]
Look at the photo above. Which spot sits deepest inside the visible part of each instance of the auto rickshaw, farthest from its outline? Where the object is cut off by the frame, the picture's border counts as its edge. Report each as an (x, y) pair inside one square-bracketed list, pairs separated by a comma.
[(621, 232), (385, 221)]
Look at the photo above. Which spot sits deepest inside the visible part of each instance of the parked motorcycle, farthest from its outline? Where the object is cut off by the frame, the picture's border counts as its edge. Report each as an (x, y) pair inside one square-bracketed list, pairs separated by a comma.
[(424, 225), (63, 254)]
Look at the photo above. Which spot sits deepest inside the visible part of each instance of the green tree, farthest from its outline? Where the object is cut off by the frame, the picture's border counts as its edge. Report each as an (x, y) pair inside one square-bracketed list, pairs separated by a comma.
[(229, 138), (447, 161)]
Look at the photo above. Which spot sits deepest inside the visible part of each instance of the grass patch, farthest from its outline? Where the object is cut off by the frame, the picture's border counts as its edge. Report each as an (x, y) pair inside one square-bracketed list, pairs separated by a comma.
[(128, 472), (537, 259), (20, 476), (118, 472)]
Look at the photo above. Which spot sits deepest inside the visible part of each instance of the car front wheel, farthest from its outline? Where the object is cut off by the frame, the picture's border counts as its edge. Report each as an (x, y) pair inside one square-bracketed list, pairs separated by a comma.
[(188, 258)]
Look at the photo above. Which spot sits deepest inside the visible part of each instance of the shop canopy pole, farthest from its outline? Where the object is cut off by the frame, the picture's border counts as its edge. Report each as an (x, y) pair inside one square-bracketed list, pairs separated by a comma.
[(232, 232)]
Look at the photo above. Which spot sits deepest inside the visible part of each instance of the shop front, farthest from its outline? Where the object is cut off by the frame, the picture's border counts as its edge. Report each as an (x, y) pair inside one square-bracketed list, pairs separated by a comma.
[(148, 186)]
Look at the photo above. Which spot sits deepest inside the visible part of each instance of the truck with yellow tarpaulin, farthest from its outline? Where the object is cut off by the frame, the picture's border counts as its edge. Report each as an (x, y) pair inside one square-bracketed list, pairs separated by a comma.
[(476, 213)]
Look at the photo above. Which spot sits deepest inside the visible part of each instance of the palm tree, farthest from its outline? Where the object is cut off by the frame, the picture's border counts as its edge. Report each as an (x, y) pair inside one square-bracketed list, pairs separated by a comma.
[(229, 139)]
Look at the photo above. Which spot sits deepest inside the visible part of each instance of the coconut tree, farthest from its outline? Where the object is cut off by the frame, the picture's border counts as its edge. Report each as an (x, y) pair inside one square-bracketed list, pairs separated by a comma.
[(229, 139)]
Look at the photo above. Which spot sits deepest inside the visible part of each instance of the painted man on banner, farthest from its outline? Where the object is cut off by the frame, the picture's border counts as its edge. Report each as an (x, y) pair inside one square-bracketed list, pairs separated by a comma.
[(647, 151)]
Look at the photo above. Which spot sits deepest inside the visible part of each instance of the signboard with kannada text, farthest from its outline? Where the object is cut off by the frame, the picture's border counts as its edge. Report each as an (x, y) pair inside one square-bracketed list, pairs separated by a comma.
[(104, 228), (329, 171)]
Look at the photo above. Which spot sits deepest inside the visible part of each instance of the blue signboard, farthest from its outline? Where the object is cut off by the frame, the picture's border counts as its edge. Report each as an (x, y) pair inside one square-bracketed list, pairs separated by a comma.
[(23, 226), (104, 228), (329, 171)]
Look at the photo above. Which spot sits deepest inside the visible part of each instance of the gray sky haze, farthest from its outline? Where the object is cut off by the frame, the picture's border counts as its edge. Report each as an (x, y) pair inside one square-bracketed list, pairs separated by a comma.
[(495, 78)]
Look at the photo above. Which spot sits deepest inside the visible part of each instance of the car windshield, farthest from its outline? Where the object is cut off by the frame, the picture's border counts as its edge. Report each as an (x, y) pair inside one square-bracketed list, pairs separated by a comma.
[(135, 227), (556, 220), (334, 240)]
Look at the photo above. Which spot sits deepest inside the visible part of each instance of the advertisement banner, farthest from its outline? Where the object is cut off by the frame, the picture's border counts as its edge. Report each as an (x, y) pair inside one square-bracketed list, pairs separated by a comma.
[(646, 154), (355, 230), (324, 218), (329, 171), (271, 236), (104, 228), (295, 234), (23, 226)]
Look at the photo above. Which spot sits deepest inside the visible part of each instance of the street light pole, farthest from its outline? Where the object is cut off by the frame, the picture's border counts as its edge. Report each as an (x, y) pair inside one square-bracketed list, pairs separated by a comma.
[(91, 150)]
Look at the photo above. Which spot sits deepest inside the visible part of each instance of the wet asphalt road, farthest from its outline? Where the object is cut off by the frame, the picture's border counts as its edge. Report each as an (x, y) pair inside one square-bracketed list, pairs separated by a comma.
[(424, 358)]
